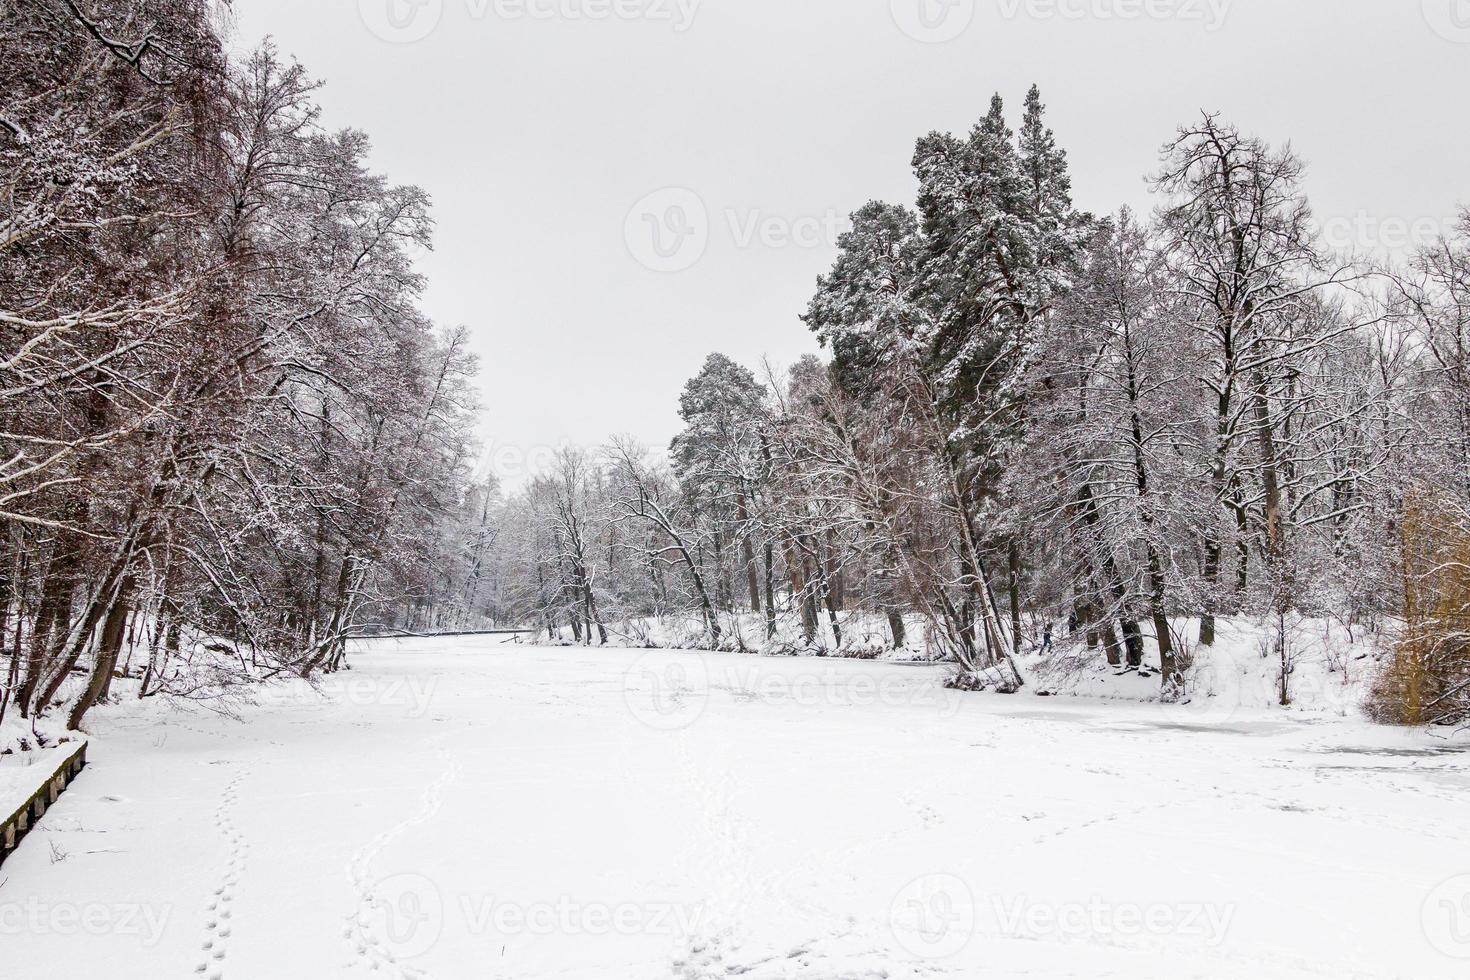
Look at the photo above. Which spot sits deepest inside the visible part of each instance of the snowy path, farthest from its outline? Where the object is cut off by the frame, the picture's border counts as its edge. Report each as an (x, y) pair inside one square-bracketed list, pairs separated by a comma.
[(485, 811)]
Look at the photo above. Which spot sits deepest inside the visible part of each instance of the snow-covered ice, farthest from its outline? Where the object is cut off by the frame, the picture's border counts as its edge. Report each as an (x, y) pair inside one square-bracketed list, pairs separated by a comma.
[(475, 810)]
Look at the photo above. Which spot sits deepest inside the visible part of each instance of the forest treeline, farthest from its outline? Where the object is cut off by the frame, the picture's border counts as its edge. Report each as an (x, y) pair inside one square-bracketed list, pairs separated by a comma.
[(226, 427), (231, 440), (1129, 427)]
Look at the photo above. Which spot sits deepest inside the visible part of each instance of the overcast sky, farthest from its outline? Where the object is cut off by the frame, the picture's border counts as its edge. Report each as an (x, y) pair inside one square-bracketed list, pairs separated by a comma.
[(624, 186)]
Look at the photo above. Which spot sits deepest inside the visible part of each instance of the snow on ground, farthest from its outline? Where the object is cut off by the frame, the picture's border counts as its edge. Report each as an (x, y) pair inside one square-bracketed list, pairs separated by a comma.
[(473, 810), (1330, 667), (1330, 670), (22, 773)]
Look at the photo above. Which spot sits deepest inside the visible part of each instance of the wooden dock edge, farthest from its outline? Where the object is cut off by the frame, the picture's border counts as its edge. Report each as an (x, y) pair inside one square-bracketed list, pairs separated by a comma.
[(20, 823)]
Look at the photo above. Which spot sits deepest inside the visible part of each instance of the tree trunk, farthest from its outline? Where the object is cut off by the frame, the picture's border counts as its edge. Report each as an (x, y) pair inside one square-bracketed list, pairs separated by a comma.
[(770, 591), (1270, 477), (12, 679), (747, 553), (801, 594), (1108, 567), (1013, 561), (106, 659), (54, 606), (896, 627), (1173, 679), (590, 604), (1214, 547)]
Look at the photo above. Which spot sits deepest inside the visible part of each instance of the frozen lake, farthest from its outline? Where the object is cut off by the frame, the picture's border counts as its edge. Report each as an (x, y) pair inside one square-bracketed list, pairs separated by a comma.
[(475, 810)]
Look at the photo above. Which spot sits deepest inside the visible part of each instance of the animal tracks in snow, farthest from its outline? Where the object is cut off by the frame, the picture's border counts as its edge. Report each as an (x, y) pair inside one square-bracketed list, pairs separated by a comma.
[(401, 917), (825, 944), (219, 907)]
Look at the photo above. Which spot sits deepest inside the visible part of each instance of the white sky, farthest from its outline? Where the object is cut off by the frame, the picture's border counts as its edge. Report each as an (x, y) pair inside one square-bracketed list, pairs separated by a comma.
[(538, 135)]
